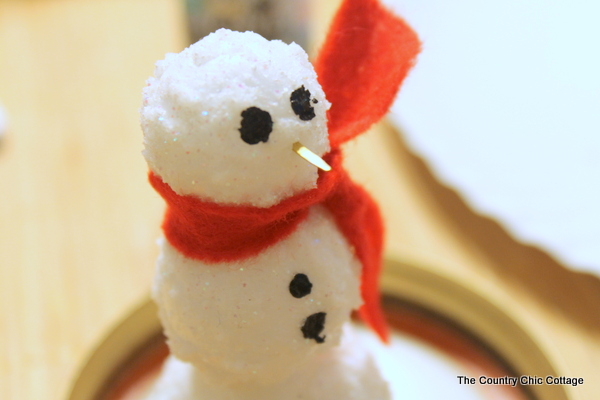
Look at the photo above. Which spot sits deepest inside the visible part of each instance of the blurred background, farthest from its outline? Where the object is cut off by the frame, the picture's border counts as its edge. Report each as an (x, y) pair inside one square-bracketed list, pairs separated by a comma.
[(488, 171)]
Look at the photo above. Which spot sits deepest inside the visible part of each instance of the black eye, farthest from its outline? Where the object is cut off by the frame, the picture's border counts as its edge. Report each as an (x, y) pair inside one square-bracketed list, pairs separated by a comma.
[(256, 125), (300, 100), (300, 286)]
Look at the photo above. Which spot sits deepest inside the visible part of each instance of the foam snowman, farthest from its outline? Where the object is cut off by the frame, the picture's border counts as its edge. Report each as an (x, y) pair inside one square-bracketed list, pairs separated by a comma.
[(266, 253)]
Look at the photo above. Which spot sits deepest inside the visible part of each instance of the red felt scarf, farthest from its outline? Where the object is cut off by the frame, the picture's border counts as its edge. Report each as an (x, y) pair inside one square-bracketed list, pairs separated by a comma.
[(214, 233)]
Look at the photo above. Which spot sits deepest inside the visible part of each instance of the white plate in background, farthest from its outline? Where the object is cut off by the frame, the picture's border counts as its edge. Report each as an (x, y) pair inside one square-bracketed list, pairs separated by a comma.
[(504, 104)]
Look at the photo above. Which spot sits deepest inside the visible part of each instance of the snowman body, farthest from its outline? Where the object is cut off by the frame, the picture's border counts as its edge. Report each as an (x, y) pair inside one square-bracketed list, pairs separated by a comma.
[(242, 328), (261, 318), (220, 121)]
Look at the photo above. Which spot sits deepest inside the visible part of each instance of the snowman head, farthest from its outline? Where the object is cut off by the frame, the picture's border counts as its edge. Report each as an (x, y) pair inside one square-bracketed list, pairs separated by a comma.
[(221, 118)]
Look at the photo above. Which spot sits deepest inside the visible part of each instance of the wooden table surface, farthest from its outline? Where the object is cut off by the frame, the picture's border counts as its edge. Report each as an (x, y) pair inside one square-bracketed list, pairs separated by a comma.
[(78, 221)]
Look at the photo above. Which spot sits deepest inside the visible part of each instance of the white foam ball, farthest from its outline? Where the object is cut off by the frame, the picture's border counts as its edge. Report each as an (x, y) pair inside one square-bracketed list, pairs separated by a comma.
[(239, 322), (191, 119)]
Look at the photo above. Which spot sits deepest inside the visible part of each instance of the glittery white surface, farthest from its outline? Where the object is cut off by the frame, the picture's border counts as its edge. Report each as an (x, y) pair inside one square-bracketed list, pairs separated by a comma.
[(237, 321), (504, 104)]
